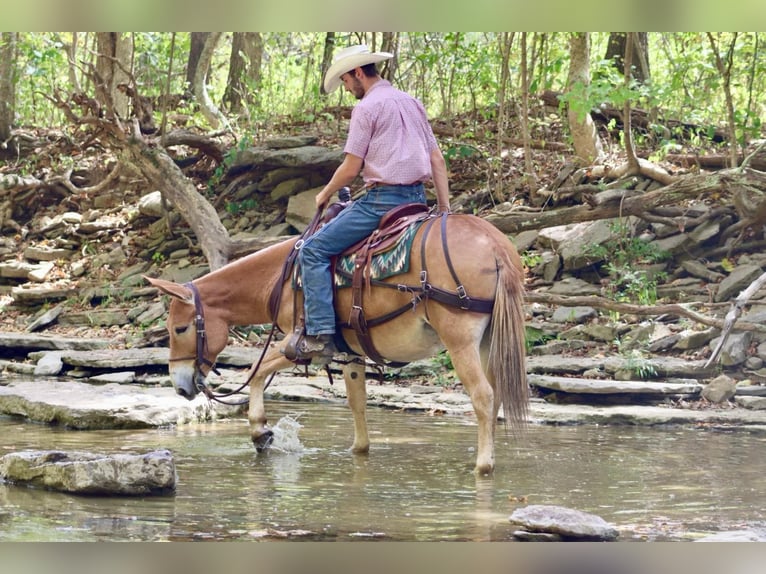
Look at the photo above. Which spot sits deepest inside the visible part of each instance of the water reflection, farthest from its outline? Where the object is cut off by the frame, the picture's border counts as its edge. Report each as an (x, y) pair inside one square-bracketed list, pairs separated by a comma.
[(417, 484)]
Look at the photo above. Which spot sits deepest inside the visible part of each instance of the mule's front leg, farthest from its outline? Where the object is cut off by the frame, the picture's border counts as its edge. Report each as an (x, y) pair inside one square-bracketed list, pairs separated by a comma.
[(356, 393), (260, 433)]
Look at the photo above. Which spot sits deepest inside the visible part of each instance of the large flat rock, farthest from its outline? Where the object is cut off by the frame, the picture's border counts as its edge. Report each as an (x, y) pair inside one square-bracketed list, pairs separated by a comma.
[(610, 387), (89, 473), (86, 406)]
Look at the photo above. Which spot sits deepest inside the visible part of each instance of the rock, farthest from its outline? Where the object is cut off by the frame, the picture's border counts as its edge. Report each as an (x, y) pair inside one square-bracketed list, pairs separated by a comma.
[(570, 286), (85, 406), (566, 522), (720, 389), (48, 317), (87, 473), (24, 341), (737, 281), (608, 387), (573, 314), (689, 339), (151, 205), (754, 535), (735, 350), (120, 377), (751, 402), (301, 208), (49, 364), (37, 253)]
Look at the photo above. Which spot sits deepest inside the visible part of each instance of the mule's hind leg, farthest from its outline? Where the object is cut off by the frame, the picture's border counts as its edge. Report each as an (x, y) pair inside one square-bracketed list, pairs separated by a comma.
[(356, 391), (468, 366), (260, 433)]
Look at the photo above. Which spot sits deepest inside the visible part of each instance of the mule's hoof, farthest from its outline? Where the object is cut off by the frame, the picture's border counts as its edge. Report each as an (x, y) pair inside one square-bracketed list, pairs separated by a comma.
[(264, 441)]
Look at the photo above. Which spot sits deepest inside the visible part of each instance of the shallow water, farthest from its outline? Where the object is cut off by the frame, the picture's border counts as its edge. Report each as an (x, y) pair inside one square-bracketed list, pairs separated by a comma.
[(416, 484)]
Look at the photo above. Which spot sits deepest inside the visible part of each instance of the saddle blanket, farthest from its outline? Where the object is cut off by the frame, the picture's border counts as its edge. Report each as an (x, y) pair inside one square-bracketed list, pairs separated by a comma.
[(392, 261)]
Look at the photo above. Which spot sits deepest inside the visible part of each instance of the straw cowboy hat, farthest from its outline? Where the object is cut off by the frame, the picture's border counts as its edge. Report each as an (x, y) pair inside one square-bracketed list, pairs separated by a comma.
[(348, 59)]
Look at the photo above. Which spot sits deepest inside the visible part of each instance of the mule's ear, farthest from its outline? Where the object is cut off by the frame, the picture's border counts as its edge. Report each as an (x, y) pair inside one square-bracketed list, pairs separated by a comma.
[(173, 289)]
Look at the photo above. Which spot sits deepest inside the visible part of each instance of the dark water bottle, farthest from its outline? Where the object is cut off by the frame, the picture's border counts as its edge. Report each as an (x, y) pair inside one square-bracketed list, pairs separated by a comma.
[(344, 199)]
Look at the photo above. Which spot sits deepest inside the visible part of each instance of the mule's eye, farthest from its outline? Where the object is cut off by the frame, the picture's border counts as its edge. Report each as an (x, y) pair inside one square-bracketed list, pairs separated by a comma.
[(181, 330)]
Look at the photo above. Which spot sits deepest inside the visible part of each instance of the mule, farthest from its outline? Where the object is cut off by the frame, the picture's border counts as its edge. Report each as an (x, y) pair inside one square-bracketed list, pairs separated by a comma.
[(486, 346)]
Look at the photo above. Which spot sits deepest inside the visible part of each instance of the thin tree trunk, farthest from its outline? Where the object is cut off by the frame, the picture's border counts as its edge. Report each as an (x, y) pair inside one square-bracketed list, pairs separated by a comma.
[(496, 178), (71, 54), (627, 130), (113, 67), (209, 110), (7, 87), (724, 68), (529, 175), (584, 135), (198, 40), (244, 70), (329, 49)]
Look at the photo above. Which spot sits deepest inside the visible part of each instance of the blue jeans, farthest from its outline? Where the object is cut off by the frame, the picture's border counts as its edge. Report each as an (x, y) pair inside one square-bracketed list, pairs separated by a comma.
[(353, 224)]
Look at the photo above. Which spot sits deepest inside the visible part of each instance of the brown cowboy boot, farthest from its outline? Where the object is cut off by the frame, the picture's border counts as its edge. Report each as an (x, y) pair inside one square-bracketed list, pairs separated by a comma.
[(303, 349)]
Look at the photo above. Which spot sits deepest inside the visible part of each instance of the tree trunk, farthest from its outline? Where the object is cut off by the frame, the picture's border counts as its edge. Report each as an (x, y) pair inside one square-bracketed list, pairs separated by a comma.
[(157, 166), (113, 67), (244, 70), (71, 54), (529, 165), (198, 40), (207, 107), (390, 44), (584, 135), (724, 65), (7, 88), (616, 49), (630, 152), (329, 49)]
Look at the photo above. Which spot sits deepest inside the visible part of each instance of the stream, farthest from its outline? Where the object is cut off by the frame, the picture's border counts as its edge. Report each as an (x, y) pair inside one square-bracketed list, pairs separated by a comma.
[(416, 484)]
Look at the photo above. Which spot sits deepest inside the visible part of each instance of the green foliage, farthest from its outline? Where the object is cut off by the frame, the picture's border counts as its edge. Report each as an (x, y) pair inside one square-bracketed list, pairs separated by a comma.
[(535, 336), (623, 257), (237, 207), (451, 72), (228, 159), (636, 362)]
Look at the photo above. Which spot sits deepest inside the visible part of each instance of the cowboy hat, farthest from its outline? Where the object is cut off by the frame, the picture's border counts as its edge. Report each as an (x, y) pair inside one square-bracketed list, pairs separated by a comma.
[(348, 59)]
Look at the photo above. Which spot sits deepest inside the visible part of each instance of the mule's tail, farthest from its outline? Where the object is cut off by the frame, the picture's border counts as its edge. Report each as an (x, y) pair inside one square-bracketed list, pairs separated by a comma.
[(507, 349)]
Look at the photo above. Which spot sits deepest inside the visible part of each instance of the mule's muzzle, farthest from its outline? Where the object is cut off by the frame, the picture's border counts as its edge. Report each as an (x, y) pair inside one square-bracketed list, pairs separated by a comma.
[(188, 394)]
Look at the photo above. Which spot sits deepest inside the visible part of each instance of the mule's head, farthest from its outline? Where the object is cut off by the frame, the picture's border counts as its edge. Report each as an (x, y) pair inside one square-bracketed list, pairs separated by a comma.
[(197, 335)]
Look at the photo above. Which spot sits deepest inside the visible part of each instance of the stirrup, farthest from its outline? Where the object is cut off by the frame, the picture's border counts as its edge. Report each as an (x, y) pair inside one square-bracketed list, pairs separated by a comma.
[(291, 351)]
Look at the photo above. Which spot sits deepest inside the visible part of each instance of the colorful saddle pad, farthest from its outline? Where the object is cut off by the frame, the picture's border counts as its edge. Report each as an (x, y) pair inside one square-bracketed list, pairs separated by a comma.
[(392, 261)]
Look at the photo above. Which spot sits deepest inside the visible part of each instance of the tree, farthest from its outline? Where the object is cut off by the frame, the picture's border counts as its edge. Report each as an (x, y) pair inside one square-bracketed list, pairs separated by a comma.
[(724, 64), (327, 54), (7, 87), (244, 70), (197, 43), (616, 50), (211, 112), (113, 67), (584, 136)]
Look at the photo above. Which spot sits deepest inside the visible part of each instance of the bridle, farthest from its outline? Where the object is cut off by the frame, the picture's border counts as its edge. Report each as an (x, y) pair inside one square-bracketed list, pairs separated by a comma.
[(200, 351)]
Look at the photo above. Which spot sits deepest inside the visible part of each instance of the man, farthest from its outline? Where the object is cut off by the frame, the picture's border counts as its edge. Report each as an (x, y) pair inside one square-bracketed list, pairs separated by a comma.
[(391, 142)]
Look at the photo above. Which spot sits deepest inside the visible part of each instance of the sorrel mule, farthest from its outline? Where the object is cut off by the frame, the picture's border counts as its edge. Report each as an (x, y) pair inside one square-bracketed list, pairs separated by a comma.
[(487, 348)]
